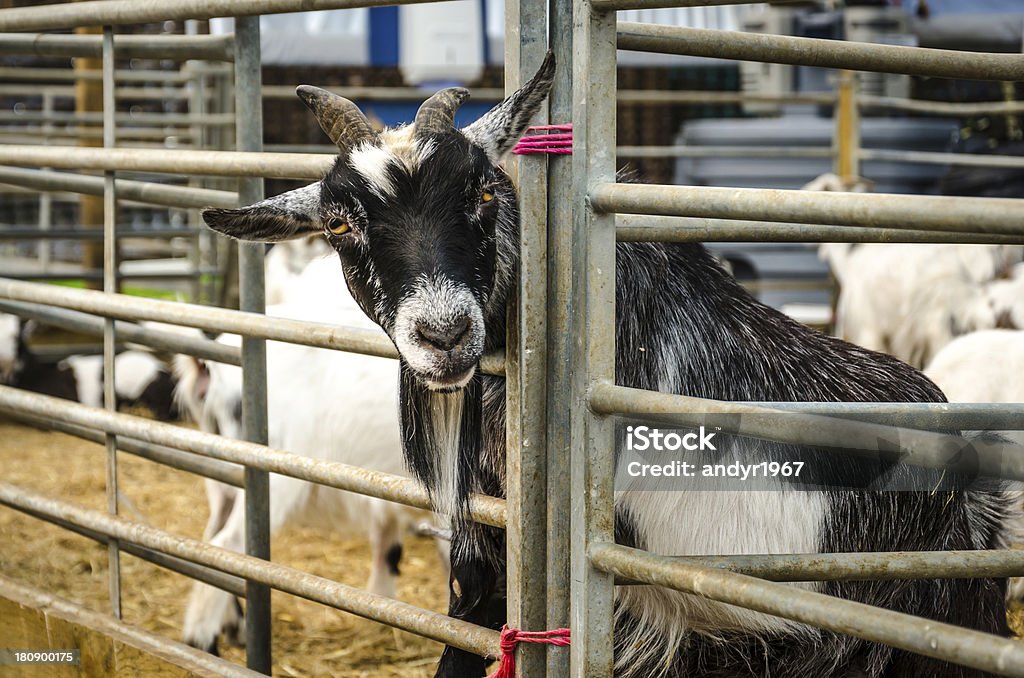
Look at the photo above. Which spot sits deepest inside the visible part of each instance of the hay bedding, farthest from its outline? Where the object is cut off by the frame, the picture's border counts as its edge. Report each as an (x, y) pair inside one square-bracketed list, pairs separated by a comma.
[(309, 639)]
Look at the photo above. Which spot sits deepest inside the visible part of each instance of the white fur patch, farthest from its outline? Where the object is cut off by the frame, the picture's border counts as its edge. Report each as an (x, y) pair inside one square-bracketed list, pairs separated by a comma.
[(10, 327), (778, 521), (133, 372), (446, 416), (373, 162), (88, 371)]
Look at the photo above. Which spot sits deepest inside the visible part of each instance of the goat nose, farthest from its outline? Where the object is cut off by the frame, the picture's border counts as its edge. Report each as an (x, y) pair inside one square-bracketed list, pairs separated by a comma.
[(443, 339)]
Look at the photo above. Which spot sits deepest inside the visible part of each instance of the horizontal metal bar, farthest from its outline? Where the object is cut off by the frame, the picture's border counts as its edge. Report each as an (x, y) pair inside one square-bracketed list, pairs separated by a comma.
[(847, 435), (125, 307), (34, 233), (140, 191), (120, 12), (487, 510), (721, 152), (162, 340), (605, 5), (16, 73), (206, 120), (217, 163), (987, 652), (207, 575), (212, 47), (785, 49), (867, 566), (379, 608), (952, 108), (637, 228), (230, 474), (934, 158), (194, 661), (380, 93), (917, 212), (96, 274)]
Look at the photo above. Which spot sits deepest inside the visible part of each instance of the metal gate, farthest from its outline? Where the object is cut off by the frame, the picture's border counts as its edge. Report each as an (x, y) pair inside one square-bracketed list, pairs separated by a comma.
[(560, 399)]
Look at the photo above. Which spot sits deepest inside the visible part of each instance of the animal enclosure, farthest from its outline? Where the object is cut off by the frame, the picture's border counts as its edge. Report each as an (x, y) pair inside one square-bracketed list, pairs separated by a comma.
[(559, 367)]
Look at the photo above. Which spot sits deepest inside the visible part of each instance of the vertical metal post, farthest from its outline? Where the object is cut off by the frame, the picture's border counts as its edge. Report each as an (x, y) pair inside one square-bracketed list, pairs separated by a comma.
[(249, 137), (593, 356), (45, 197), (109, 287), (526, 368), (847, 141), (561, 307)]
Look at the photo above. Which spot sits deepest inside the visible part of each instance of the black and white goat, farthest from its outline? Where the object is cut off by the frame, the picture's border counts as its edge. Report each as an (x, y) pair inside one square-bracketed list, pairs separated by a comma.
[(426, 226), (140, 378)]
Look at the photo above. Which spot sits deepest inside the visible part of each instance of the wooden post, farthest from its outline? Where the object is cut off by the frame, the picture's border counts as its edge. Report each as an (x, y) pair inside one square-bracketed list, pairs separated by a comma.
[(89, 99)]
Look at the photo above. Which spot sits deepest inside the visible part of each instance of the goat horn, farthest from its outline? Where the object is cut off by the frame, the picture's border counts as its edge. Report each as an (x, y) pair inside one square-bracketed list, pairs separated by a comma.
[(339, 118), (437, 114)]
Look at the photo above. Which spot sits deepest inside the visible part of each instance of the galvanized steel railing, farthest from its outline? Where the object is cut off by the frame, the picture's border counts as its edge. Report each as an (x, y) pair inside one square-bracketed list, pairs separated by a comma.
[(596, 560), (559, 400)]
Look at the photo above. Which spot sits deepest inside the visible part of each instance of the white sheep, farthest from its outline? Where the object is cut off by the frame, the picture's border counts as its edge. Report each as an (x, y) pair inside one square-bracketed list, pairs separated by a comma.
[(324, 404)]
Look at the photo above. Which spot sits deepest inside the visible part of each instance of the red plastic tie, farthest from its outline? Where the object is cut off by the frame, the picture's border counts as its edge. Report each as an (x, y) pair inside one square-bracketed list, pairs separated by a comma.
[(540, 140), (510, 638)]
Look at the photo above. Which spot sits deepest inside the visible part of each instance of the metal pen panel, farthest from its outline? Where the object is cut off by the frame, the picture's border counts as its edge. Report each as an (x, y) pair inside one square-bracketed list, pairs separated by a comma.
[(110, 285), (785, 49), (373, 606), (526, 360), (594, 77), (942, 213), (249, 138), (560, 345), (1003, 656), (399, 489)]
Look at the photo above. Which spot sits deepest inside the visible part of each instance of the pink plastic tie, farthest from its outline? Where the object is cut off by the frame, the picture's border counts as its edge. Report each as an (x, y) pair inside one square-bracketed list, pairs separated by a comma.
[(552, 139), (512, 637)]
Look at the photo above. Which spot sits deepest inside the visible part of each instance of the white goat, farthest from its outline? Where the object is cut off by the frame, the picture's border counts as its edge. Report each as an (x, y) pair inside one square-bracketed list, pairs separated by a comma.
[(285, 263), (324, 404), (911, 300)]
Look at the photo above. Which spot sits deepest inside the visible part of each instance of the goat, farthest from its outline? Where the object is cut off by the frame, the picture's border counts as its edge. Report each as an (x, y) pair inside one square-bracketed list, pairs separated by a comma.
[(21, 368), (911, 300), (323, 404), (285, 262), (426, 225), (140, 378)]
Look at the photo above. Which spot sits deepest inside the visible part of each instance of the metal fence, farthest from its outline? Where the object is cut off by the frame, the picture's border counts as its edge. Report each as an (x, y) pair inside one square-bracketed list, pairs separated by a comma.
[(560, 401)]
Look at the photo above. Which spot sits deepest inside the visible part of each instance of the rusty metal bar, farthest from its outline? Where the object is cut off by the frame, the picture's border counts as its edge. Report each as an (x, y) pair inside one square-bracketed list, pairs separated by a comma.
[(483, 509), (987, 652), (125, 307), (784, 49), (941, 213), (348, 598), (935, 158)]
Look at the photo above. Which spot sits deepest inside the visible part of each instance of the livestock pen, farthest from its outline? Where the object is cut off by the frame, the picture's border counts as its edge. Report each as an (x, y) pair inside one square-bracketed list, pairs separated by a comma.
[(559, 365)]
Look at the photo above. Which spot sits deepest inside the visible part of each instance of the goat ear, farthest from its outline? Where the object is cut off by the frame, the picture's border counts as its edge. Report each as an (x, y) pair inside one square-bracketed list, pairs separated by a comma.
[(501, 127), (294, 214)]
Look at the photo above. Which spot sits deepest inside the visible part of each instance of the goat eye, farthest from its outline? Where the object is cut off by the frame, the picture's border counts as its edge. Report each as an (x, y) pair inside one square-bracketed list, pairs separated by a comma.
[(486, 197), (338, 226)]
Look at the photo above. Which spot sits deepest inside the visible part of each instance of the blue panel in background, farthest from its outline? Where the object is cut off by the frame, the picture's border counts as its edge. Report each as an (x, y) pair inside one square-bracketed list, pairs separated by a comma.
[(393, 113), (383, 36)]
